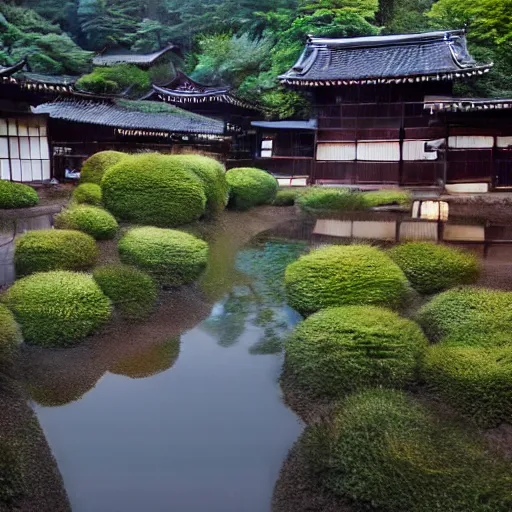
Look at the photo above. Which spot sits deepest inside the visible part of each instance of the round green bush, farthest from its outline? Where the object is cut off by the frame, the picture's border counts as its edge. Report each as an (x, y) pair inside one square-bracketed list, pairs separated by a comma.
[(16, 195), (153, 189), (335, 199), (96, 165), (88, 193), (53, 249), (213, 176), (344, 275), (431, 268), (172, 257), (92, 220), (56, 309), (10, 334), (468, 317), (131, 291), (250, 187), (475, 380), (339, 350), (384, 451), (286, 197)]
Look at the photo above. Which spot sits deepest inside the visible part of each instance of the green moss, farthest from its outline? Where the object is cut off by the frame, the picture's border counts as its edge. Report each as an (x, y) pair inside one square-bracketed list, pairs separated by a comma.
[(52, 249), (250, 187), (92, 220), (172, 257), (286, 197), (384, 451), (115, 80), (131, 291), (431, 268), (344, 275), (153, 189), (468, 317), (339, 350), (16, 195), (386, 197), (98, 164), (88, 193), (56, 309), (10, 333), (338, 199)]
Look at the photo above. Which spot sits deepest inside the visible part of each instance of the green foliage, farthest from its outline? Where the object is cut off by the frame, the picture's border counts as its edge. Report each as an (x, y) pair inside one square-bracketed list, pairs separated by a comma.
[(385, 197), (87, 193), (153, 189), (92, 220), (172, 257), (53, 249), (339, 350), (339, 199), (250, 187), (431, 268), (474, 380), (344, 275), (131, 291), (286, 197), (16, 195), (10, 334), (56, 309), (385, 451), (468, 317), (96, 165), (123, 78)]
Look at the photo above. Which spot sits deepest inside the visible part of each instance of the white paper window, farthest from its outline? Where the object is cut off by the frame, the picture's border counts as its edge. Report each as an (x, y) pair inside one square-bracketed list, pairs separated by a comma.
[(342, 151), (42, 130), (3, 127), (4, 147), (266, 153), (13, 130), (26, 170), (35, 148), (414, 150), (22, 128), (37, 170), (14, 147), (46, 169), (266, 144), (24, 147), (5, 170), (16, 170), (504, 142), (470, 142), (45, 152), (378, 151)]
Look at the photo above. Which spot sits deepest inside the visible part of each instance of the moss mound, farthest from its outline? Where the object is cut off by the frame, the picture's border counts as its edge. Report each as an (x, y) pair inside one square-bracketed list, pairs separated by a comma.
[(213, 176), (172, 257), (153, 189), (115, 80), (92, 220), (56, 309), (319, 198), (386, 452), (344, 275), (385, 197), (88, 193), (131, 291), (53, 249), (96, 165), (286, 197), (431, 268), (250, 187), (16, 195), (475, 380), (468, 317), (339, 350), (10, 333)]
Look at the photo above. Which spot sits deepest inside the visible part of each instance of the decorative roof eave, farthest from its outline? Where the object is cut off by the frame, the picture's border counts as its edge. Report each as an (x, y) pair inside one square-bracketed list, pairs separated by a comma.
[(467, 104), (145, 59), (7, 71)]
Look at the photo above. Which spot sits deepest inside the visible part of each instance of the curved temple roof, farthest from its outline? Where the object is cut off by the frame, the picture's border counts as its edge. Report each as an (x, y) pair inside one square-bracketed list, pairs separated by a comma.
[(7, 71), (384, 59), (139, 59)]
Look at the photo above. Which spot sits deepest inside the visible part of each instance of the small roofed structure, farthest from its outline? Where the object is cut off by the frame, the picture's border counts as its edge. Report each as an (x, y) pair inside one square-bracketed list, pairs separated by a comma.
[(142, 60)]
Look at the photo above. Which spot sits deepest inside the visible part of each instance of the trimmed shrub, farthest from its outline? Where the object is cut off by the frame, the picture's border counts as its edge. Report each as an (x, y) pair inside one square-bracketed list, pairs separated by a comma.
[(386, 197), (96, 165), (172, 257), (475, 380), (115, 80), (10, 334), (385, 451), (286, 197), (339, 350), (88, 193), (250, 187), (213, 176), (92, 220), (53, 249), (56, 309), (132, 291), (431, 268), (468, 317), (344, 275), (153, 189), (16, 195), (339, 199)]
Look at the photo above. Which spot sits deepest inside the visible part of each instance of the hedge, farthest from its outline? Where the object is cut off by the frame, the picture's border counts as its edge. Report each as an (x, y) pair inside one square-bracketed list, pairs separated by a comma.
[(213, 176), (96, 165), (475, 380), (339, 199), (131, 291), (286, 197), (468, 317), (385, 197), (53, 249), (10, 333), (431, 268), (88, 193), (153, 189), (384, 451), (339, 350), (344, 275), (16, 195), (92, 220), (172, 257), (250, 187), (56, 309)]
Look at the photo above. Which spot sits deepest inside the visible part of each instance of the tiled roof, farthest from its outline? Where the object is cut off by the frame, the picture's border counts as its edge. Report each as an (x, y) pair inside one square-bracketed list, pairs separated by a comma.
[(7, 71), (384, 59), (286, 125), (140, 59)]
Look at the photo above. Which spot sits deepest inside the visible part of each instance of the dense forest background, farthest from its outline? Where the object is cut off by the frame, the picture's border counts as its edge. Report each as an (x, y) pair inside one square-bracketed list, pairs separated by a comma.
[(243, 43)]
